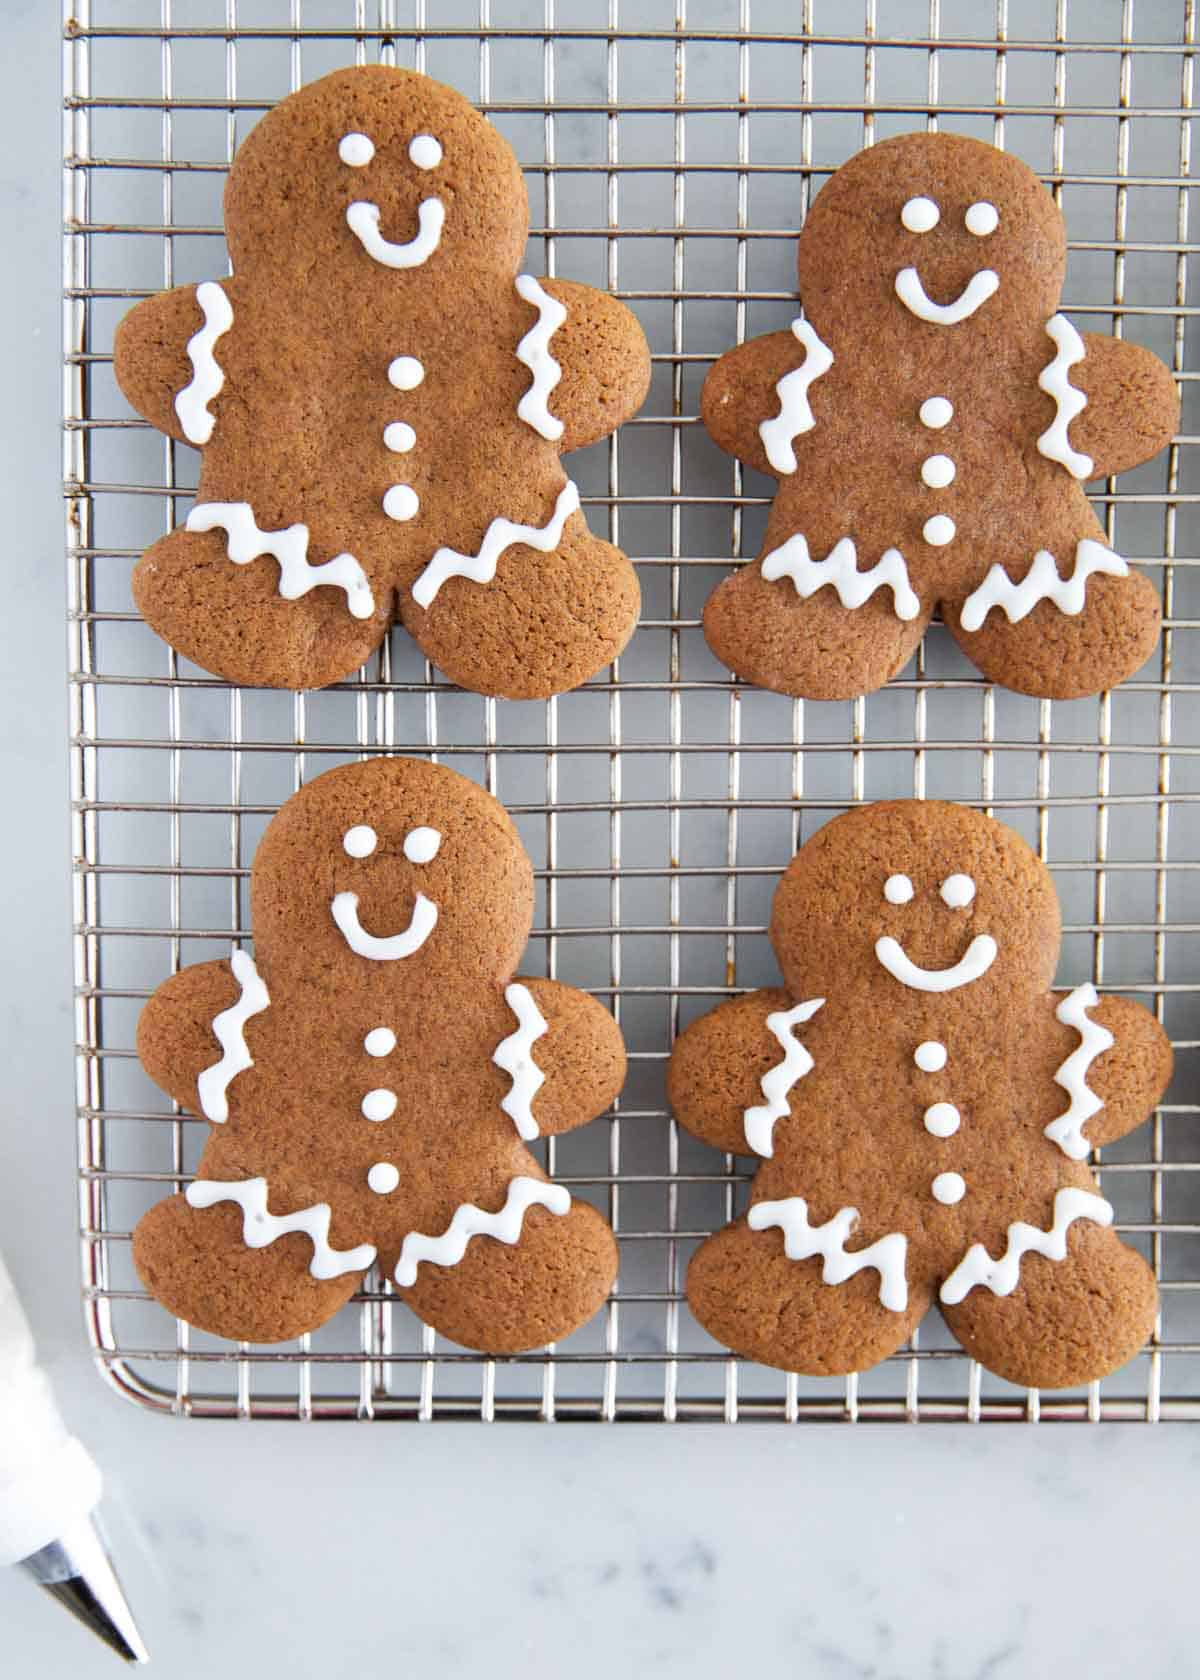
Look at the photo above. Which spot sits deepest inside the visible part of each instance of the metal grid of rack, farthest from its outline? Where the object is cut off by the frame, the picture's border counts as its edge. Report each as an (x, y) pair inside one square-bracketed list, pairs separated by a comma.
[(671, 148)]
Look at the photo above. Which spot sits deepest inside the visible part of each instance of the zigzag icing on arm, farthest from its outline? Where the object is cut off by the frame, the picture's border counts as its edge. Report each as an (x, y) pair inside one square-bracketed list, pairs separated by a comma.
[(801, 1241), (1067, 1130), (977, 1269), (515, 1055), (500, 534), (245, 542), (191, 404), (471, 1221), (534, 352), (229, 1026), (795, 413), (1069, 402), (1042, 583), (840, 571), (759, 1123), (260, 1228)]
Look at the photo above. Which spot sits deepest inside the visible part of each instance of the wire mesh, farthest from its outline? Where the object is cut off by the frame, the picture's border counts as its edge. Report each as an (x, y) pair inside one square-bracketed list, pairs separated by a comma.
[(671, 148)]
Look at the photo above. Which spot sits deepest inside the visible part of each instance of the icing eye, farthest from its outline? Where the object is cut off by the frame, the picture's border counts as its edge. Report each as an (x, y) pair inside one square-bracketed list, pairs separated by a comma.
[(897, 889), (356, 149), (360, 841), (982, 218), (957, 891), (421, 844), (920, 215), (425, 151)]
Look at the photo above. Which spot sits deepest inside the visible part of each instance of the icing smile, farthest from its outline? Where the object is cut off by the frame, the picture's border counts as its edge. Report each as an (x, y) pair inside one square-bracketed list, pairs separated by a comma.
[(363, 219), (912, 294), (978, 957), (397, 945)]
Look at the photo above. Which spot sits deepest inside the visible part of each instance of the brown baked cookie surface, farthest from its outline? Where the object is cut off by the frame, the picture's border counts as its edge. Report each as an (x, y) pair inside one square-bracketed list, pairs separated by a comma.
[(381, 400), (932, 421), (373, 1077), (923, 1107)]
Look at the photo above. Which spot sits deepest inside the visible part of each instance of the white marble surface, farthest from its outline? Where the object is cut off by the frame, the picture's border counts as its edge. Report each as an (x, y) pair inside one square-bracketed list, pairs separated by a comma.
[(892, 1553)]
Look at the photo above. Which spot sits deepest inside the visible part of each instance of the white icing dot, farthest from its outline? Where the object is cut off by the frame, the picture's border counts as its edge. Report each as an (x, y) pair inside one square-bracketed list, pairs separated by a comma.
[(957, 891), (425, 151), (920, 215), (421, 844), (936, 412), (930, 1056), (379, 1104), (942, 1119), (401, 502), (949, 1188), (380, 1041), (897, 889), (937, 471), (405, 373), (383, 1178), (982, 218), (939, 530), (360, 841), (399, 437), (356, 149)]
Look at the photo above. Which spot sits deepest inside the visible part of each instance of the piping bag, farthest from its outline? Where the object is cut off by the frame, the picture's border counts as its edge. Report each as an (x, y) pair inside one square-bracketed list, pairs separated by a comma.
[(49, 1488)]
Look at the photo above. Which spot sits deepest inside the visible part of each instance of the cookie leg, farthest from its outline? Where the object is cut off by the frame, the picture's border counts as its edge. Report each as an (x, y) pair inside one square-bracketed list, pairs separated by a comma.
[(1067, 1322), (195, 1262), (753, 1299), (503, 1299), (232, 620)]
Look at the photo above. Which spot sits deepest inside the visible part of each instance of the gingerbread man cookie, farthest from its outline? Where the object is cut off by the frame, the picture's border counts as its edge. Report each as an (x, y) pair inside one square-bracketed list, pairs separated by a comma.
[(932, 421), (923, 1107), (381, 400), (373, 1076)]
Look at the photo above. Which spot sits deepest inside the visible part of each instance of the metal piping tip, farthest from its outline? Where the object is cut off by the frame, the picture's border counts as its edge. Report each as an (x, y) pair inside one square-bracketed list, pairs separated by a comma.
[(77, 1570)]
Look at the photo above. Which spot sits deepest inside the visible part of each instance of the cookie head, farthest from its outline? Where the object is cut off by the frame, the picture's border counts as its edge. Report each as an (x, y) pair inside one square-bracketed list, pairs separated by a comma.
[(376, 172), (934, 229), (916, 900), (394, 872)]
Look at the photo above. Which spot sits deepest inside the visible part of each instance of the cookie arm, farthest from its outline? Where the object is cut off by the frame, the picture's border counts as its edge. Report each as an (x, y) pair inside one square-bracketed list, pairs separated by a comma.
[(739, 394), (1129, 1078), (1132, 404), (150, 356), (716, 1068), (175, 1037), (605, 362), (582, 1056)]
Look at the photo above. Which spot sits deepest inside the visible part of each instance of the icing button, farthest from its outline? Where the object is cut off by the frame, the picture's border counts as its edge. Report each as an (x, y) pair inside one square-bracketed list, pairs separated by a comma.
[(401, 502), (379, 1104), (936, 412), (942, 1120), (383, 1178), (380, 1041), (930, 1056), (949, 1188), (399, 437), (405, 373), (937, 471), (939, 530)]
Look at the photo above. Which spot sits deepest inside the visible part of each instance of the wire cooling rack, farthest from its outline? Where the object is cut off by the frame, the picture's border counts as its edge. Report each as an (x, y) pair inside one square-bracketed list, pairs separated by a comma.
[(671, 150)]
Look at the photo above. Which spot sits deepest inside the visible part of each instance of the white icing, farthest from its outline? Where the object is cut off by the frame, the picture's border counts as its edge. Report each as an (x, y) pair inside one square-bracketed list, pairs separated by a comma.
[(957, 891), (383, 1178), (978, 289), (977, 1268), (379, 1104), (1041, 583), (191, 404), (898, 889), (471, 1221), (937, 471), (930, 1056), (399, 437), (949, 1188), (1069, 402), (380, 1041), (425, 151), (801, 1241), (421, 845), (515, 1055), (401, 502), (759, 1123), (840, 570), (360, 841), (936, 412), (500, 534), (362, 218), (1067, 1130), (795, 414), (260, 1228), (942, 1119), (939, 530), (534, 353), (230, 1028), (245, 542), (978, 957), (920, 215), (982, 218), (397, 945), (356, 149), (405, 373)]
